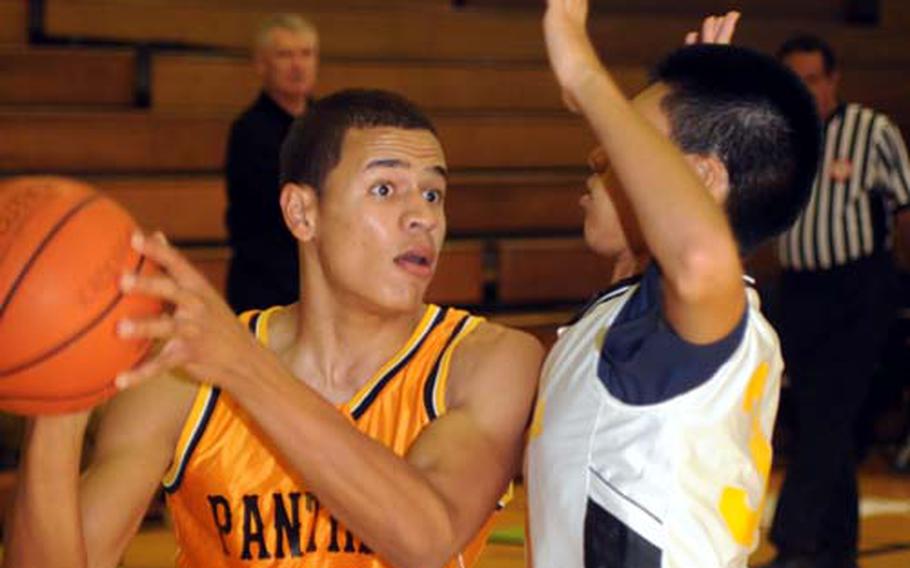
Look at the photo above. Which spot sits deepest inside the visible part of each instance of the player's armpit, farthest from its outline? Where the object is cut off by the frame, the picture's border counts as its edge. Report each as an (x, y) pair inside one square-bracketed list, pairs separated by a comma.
[(471, 453)]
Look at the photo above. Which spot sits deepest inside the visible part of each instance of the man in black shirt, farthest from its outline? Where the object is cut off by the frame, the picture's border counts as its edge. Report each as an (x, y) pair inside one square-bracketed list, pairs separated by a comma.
[(263, 269)]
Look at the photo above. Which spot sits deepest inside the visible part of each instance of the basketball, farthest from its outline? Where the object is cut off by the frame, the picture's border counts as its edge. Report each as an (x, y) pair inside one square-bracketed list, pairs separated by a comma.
[(63, 249)]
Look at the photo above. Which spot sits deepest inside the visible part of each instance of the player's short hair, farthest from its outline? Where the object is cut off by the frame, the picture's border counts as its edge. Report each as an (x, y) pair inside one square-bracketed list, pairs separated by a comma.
[(808, 43), (757, 117), (290, 22), (312, 148)]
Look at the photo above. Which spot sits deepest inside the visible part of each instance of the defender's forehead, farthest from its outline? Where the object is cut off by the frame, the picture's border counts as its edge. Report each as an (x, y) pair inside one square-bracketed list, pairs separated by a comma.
[(649, 104)]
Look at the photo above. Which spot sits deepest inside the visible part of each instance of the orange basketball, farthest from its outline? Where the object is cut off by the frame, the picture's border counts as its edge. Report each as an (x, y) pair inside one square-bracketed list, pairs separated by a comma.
[(63, 249)]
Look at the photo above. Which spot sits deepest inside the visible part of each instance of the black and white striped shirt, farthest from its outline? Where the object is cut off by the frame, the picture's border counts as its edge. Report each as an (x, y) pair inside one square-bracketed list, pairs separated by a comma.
[(863, 179)]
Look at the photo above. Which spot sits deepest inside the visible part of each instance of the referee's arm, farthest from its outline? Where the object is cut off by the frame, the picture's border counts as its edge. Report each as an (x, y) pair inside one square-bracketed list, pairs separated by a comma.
[(899, 184)]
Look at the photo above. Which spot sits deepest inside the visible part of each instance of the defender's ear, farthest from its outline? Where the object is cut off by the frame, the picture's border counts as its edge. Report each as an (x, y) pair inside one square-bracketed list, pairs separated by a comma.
[(713, 173), (299, 205)]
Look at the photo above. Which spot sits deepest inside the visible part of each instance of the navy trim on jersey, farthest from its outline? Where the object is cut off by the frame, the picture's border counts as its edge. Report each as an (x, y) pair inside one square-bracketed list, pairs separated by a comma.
[(610, 543), (365, 403), (607, 294), (198, 431), (429, 388), (253, 324), (643, 361)]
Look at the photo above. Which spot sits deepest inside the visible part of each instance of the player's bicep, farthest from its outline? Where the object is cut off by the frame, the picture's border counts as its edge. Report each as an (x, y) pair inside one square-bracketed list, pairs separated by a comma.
[(135, 441), (711, 314), (471, 453)]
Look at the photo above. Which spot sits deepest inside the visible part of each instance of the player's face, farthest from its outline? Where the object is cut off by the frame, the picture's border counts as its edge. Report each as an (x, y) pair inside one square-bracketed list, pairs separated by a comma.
[(610, 225), (288, 62), (810, 67), (381, 217), (602, 202)]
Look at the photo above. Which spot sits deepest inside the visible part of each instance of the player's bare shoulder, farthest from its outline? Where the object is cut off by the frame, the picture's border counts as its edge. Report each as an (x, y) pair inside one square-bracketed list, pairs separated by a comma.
[(495, 362)]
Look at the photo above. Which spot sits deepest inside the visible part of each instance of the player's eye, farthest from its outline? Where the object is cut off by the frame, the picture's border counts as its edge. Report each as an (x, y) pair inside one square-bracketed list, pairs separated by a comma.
[(381, 190), (433, 195)]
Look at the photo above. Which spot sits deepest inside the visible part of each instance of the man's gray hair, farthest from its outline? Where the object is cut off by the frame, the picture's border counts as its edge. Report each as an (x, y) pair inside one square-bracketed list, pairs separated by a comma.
[(290, 22)]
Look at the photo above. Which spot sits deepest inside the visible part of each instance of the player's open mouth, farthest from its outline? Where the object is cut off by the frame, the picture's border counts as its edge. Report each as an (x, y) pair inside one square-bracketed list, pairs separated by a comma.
[(416, 262)]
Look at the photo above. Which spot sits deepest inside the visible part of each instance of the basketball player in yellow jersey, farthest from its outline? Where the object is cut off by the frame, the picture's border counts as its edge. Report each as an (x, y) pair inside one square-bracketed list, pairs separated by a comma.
[(357, 428)]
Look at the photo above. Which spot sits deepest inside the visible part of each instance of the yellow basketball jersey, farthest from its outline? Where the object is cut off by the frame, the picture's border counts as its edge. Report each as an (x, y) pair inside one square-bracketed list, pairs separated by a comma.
[(234, 503)]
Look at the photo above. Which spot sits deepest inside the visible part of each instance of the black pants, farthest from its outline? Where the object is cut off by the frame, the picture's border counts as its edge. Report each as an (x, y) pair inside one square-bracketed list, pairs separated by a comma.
[(832, 325)]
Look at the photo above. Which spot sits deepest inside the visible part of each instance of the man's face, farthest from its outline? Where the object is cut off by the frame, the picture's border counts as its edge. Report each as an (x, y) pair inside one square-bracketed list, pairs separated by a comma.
[(810, 67), (381, 217), (287, 63), (610, 225)]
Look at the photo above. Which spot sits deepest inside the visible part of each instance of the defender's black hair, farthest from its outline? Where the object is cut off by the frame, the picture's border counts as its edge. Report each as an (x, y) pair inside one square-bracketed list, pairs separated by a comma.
[(758, 118)]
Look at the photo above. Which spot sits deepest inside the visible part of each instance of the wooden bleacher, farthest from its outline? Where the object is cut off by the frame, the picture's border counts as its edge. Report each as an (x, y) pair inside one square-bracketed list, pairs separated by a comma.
[(200, 83), (207, 82), (425, 31), (138, 141), (478, 204), (12, 22), (109, 141), (895, 14), (66, 77), (535, 271), (517, 158), (152, 201), (434, 31), (820, 10)]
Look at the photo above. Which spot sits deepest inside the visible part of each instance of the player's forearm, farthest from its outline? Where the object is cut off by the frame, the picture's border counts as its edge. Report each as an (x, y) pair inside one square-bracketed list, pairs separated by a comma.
[(681, 223), (44, 528), (380, 497)]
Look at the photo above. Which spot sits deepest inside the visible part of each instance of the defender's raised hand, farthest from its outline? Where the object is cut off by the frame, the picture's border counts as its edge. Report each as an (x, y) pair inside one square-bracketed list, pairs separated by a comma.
[(571, 54), (715, 29)]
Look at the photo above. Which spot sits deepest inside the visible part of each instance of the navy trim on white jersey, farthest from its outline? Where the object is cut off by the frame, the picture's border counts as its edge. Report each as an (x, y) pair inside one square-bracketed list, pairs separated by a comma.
[(644, 361)]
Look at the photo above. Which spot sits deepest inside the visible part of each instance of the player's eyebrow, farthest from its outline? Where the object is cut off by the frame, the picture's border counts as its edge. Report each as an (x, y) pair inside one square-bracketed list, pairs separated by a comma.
[(398, 163)]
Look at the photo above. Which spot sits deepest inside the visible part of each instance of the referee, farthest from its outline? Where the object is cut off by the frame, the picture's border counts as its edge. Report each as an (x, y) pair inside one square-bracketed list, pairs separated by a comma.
[(838, 292)]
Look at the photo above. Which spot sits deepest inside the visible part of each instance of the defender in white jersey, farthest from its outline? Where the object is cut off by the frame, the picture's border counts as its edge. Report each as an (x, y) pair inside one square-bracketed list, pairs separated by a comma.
[(650, 445)]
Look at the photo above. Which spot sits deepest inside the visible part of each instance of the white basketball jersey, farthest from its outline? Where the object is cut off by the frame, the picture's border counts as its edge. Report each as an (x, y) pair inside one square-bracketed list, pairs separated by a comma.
[(647, 451)]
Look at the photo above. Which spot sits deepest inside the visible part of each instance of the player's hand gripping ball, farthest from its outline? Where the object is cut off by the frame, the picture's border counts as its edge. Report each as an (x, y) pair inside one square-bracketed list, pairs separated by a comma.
[(63, 250)]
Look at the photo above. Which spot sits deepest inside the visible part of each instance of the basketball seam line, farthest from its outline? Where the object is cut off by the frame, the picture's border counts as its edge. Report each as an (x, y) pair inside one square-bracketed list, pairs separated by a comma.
[(70, 340), (40, 248)]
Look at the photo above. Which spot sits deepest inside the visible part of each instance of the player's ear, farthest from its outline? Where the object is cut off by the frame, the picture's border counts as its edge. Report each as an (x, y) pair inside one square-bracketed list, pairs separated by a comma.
[(713, 173), (299, 205)]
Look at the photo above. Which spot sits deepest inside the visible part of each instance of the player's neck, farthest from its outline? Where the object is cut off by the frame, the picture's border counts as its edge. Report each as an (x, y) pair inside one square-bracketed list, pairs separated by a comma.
[(339, 345)]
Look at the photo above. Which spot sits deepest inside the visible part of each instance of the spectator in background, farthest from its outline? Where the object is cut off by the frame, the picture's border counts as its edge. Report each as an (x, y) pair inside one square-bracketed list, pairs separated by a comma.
[(263, 269), (837, 300)]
